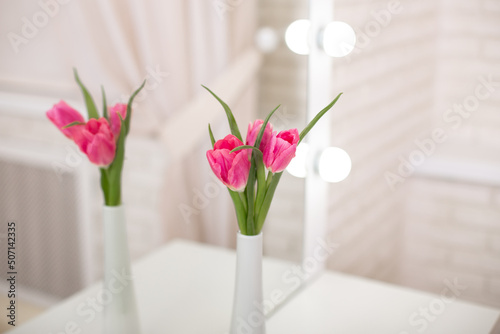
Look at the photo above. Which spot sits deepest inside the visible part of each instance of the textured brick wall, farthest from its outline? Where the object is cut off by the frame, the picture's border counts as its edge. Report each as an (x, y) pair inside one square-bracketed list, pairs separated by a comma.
[(388, 81), (452, 231), (452, 227), (468, 50), (283, 80), (413, 63), (376, 120)]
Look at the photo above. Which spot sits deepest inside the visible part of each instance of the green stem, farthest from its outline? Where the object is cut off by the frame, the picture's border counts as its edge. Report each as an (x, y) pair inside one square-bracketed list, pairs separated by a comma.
[(269, 179), (105, 185), (243, 198), (240, 210), (250, 189), (115, 195), (267, 200), (261, 186)]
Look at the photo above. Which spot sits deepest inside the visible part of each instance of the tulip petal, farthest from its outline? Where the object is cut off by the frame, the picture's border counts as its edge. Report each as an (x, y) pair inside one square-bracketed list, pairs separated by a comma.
[(253, 132), (231, 168), (238, 174), (119, 109), (97, 141), (101, 151), (281, 150), (61, 115), (283, 159), (212, 161)]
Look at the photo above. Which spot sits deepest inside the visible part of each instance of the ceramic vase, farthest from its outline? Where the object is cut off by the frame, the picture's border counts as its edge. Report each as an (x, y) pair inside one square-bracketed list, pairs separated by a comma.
[(120, 310), (248, 315)]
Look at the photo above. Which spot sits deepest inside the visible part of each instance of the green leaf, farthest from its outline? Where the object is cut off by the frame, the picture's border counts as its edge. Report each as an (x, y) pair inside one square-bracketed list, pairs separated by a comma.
[(129, 107), (250, 200), (260, 169), (261, 186), (241, 213), (72, 124), (105, 185), (230, 117), (104, 104), (212, 139), (243, 197), (249, 147), (267, 201), (89, 102), (316, 119), (262, 129), (115, 169)]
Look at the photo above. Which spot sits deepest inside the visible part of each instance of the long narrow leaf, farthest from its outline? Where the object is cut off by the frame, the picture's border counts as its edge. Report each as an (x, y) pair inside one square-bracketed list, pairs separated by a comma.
[(261, 186), (116, 167), (241, 213), (212, 139), (267, 201), (248, 147), (230, 117), (89, 102), (72, 124), (313, 122), (262, 129), (250, 200), (129, 107), (105, 185), (104, 103)]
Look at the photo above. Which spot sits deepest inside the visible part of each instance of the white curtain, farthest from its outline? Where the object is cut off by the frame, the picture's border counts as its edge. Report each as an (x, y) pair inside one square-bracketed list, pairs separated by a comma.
[(175, 45)]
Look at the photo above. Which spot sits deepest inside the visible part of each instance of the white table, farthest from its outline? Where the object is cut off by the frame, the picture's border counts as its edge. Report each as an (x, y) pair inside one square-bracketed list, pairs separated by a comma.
[(187, 288), (338, 303)]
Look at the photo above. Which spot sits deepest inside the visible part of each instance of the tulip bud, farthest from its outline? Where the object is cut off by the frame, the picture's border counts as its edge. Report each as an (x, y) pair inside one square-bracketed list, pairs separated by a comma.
[(61, 115), (231, 168), (119, 109), (280, 150)]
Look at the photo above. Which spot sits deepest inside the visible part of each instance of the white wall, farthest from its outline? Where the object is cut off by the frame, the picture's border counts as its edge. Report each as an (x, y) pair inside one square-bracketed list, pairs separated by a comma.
[(414, 60), (452, 214), (388, 81), (283, 80)]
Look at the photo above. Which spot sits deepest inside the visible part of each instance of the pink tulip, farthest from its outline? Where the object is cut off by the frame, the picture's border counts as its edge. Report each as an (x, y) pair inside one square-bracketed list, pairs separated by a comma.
[(61, 115), (231, 168), (94, 138), (253, 131), (115, 112), (281, 150), (97, 142)]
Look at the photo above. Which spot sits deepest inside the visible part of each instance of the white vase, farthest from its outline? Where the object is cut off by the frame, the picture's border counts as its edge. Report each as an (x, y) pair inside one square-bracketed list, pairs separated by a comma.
[(248, 315), (120, 311)]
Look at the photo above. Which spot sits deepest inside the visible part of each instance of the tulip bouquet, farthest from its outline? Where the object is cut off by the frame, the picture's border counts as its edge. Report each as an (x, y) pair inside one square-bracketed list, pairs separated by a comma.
[(101, 139), (242, 167)]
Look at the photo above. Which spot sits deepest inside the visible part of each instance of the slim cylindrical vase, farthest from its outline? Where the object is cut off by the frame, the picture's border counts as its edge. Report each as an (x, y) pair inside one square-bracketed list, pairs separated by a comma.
[(248, 315), (120, 310)]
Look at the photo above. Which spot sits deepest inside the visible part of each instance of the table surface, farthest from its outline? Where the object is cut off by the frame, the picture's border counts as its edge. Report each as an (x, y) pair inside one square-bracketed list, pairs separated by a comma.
[(187, 288)]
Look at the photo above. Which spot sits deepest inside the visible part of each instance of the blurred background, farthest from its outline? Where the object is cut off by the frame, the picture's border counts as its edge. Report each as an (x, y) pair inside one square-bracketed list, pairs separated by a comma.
[(419, 118)]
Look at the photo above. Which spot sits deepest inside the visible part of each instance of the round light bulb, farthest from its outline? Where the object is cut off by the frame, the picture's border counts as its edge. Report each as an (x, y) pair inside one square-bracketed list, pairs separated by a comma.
[(297, 36), (297, 167), (334, 164), (339, 39), (266, 39)]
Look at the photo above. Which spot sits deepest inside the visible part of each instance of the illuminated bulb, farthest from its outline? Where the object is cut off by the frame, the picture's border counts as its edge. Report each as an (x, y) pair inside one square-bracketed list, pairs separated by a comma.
[(266, 39), (339, 39), (297, 36), (334, 164), (297, 167)]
